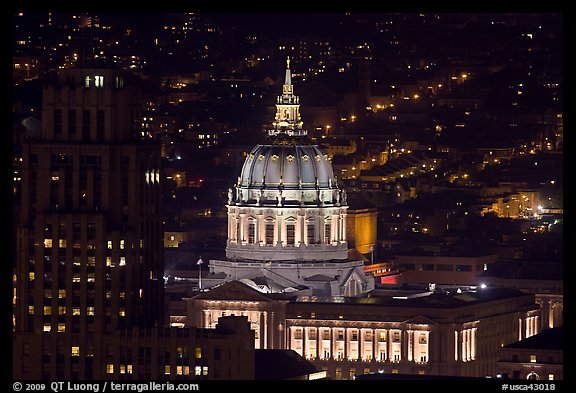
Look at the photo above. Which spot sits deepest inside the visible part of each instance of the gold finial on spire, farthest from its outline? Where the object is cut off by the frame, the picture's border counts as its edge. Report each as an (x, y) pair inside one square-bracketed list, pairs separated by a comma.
[(288, 62)]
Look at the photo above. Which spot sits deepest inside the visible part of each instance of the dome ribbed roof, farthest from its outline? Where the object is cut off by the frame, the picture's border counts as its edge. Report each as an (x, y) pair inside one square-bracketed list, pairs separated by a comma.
[(293, 166)]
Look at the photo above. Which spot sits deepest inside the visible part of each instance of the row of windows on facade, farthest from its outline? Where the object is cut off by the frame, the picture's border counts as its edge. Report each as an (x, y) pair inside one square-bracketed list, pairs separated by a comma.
[(382, 336), (77, 278), (96, 189), (77, 263), (98, 81), (62, 243), (50, 236), (339, 375), (442, 267), (63, 293), (290, 233), (86, 122), (76, 311), (66, 160), (168, 369), (74, 327), (354, 349)]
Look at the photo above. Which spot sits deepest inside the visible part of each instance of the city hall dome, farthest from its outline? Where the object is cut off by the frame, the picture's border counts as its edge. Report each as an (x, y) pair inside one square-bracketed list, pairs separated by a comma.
[(286, 204), (287, 164), (287, 169)]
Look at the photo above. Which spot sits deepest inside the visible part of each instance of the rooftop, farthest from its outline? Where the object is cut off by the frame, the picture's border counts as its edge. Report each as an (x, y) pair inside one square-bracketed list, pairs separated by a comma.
[(547, 339), (428, 299), (279, 364)]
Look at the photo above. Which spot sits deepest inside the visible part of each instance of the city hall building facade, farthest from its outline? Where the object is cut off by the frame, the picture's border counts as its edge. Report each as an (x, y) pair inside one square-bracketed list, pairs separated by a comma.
[(430, 333)]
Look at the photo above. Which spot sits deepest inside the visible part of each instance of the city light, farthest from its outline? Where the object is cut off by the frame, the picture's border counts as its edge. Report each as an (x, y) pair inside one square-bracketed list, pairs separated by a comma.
[(174, 197)]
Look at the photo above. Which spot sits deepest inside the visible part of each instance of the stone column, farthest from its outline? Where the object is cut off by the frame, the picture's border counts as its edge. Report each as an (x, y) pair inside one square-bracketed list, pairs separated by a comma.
[(241, 235), (281, 230), (473, 344), (410, 345), (456, 346), (265, 329), (343, 229), (298, 238)]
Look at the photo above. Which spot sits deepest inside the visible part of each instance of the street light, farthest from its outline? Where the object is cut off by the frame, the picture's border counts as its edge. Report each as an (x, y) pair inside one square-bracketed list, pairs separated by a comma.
[(199, 263)]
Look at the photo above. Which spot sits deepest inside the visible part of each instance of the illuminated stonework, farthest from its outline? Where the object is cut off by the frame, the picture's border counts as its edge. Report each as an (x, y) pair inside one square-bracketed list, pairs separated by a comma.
[(287, 215), (433, 333)]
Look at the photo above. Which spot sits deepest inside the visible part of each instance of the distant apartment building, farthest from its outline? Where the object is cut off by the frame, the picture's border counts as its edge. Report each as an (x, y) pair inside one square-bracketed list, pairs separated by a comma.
[(520, 204), (444, 269)]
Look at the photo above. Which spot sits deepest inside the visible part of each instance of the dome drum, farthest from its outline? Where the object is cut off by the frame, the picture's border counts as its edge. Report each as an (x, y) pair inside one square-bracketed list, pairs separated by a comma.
[(286, 197)]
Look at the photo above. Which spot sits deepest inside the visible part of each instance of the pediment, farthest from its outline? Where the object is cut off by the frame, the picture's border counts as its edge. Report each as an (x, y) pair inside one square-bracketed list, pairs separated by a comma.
[(420, 320), (233, 290)]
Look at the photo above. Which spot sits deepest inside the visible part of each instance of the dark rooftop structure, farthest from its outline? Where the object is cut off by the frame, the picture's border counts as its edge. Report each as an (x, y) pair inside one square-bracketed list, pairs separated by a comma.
[(547, 339), (437, 299), (279, 364)]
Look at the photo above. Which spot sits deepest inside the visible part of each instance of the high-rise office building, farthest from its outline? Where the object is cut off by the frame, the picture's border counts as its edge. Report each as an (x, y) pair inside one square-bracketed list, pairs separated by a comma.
[(89, 234)]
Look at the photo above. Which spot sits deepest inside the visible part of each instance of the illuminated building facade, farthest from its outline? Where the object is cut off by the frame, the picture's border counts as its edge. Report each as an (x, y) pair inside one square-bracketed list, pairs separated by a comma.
[(287, 215), (432, 333)]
